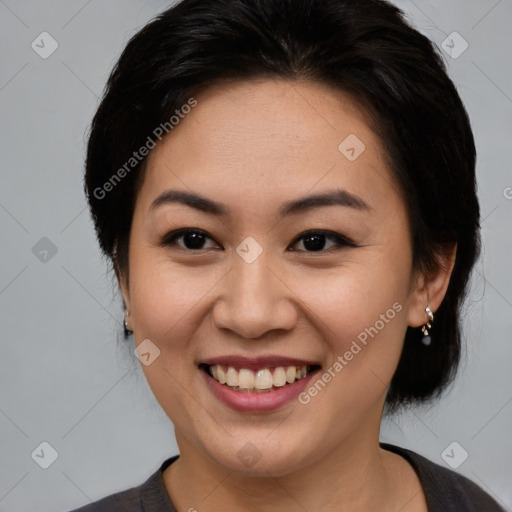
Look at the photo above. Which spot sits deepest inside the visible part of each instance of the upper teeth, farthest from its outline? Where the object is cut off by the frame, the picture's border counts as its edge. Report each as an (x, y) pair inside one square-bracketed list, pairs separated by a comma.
[(261, 379)]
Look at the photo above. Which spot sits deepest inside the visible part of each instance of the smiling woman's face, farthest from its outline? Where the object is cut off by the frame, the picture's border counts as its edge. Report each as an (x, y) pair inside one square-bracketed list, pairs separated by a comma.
[(251, 292)]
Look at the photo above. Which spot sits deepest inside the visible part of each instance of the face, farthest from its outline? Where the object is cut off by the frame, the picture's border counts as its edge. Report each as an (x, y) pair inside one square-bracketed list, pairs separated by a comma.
[(302, 302)]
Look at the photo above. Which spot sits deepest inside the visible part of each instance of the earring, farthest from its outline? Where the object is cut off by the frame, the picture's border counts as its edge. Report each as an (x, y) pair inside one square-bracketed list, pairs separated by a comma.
[(127, 332), (426, 339)]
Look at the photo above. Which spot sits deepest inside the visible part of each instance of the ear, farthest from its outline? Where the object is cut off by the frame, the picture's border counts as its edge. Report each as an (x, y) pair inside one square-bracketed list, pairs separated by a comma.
[(430, 287), (122, 280)]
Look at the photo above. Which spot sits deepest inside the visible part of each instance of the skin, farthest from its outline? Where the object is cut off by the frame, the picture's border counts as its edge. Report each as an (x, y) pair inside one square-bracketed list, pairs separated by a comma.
[(253, 146)]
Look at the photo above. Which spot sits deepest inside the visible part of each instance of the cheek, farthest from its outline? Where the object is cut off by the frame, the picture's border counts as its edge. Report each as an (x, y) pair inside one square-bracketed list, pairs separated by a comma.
[(355, 298), (165, 297), (363, 322), (166, 307)]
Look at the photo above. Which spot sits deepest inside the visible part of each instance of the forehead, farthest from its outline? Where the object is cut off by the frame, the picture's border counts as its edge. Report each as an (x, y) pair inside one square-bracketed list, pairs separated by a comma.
[(269, 138)]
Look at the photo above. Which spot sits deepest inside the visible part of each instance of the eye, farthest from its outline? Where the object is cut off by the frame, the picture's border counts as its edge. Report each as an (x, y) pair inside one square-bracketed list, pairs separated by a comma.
[(192, 239), (315, 241)]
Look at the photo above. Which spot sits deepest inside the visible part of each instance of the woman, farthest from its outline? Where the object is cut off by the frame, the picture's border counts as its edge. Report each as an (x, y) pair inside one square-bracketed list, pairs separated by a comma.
[(286, 192)]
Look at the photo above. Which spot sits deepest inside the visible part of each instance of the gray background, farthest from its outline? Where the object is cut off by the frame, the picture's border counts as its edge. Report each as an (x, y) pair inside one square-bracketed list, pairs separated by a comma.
[(66, 378)]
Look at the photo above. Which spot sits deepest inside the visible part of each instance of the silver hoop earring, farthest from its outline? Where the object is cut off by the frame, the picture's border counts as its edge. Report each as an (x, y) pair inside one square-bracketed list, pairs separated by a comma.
[(127, 332)]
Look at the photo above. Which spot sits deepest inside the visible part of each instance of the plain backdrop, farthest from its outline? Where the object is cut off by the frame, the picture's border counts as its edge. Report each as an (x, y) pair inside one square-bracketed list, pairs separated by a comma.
[(66, 378)]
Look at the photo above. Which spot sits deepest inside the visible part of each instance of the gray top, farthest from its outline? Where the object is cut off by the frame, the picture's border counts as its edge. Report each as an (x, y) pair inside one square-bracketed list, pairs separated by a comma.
[(445, 490)]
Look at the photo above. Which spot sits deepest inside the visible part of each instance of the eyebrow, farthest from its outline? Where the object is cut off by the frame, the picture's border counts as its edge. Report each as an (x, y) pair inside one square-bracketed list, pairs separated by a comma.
[(336, 197)]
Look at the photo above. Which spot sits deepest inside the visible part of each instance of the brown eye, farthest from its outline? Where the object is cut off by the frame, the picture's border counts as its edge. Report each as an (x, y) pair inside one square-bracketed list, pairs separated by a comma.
[(188, 239), (315, 241), (312, 241)]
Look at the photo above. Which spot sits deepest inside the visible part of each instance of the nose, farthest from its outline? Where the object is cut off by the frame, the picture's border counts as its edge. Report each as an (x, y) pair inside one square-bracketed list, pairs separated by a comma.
[(254, 300)]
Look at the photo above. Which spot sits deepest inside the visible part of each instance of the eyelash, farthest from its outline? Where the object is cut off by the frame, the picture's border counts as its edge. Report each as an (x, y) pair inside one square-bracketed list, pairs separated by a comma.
[(341, 241)]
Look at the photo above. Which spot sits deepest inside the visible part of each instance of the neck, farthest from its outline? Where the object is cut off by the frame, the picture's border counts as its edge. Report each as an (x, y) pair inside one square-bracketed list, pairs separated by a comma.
[(355, 476)]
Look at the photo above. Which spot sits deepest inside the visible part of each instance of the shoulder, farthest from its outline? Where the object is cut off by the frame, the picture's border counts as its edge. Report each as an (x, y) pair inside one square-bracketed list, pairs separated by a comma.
[(124, 501), (446, 490), (146, 497)]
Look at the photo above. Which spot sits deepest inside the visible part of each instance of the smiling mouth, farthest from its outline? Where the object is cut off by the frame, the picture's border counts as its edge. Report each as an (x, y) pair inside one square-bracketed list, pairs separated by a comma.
[(264, 380)]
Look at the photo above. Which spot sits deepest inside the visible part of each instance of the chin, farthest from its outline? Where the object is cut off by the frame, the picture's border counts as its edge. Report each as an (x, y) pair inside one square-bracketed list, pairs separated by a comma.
[(261, 454)]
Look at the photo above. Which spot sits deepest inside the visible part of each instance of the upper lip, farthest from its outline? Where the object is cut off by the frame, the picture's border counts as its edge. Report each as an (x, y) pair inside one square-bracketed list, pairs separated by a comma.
[(256, 363)]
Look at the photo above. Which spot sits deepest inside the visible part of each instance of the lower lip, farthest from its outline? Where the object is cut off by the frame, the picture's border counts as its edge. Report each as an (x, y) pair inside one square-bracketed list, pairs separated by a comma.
[(256, 402)]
